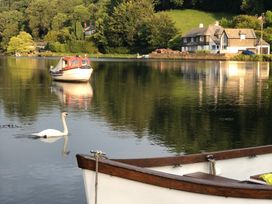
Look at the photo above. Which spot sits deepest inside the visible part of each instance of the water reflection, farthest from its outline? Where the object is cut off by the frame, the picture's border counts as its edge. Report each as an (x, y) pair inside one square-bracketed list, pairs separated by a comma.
[(185, 106), (188, 106), (74, 95), (64, 151)]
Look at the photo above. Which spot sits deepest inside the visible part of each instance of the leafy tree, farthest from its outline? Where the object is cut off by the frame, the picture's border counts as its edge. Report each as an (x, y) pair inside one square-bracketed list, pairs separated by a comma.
[(61, 36), (79, 31), (268, 18), (81, 13), (40, 15), (124, 23), (245, 21), (168, 4), (225, 23), (252, 6), (22, 43), (157, 32), (10, 25), (267, 35), (59, 21), (20, 5)]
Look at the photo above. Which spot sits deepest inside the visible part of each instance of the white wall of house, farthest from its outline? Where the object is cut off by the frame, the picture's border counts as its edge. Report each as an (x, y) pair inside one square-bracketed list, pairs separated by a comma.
[(234, 50)]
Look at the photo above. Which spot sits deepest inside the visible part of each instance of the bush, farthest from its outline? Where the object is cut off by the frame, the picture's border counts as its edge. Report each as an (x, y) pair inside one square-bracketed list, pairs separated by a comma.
[(242, 57), (118, 50), (175, 43), (57, 47), (203, 52), (76, 46)]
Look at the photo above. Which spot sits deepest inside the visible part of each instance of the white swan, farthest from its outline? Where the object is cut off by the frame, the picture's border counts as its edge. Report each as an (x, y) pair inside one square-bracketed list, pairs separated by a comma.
[(54, 133)]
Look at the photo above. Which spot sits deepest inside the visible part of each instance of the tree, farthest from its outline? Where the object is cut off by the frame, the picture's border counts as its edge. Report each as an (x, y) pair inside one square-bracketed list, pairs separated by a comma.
[(22, 43), (10, 25), (268, 18), (40, 15), (124, 23), (59, 21), (168, 4), (225, 23), (157, 32), (245, 21), (252, 6)]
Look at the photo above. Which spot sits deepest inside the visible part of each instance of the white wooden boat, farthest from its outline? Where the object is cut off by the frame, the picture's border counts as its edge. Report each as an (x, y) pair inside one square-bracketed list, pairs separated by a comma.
[(216, 177), (72, 69)]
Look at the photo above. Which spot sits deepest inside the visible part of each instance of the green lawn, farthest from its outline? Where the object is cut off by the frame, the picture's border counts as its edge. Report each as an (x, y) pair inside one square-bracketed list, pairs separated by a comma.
[(187, 19)]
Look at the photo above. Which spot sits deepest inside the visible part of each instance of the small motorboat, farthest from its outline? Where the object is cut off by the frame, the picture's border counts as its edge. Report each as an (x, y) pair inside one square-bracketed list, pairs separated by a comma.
[(72, 69), (237, 176)]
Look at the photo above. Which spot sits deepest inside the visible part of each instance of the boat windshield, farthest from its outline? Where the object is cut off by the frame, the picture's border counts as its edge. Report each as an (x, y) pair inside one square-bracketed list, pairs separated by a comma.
[(70, 62)]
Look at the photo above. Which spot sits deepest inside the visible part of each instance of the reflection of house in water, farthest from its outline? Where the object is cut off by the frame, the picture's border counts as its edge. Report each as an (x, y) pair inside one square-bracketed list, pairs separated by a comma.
[(75, 95), (237, 80)]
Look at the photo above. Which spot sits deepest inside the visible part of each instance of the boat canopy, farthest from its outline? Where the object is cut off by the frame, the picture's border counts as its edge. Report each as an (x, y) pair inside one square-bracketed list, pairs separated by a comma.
[(66, 63)]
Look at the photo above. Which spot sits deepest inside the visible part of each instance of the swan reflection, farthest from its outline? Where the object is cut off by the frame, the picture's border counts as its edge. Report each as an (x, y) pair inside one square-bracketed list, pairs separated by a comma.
[(75, 95), (64, 151), (49, 140)]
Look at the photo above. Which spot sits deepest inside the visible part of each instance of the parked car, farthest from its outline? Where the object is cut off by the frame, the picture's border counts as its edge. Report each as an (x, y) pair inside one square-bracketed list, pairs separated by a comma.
[(248, 52)]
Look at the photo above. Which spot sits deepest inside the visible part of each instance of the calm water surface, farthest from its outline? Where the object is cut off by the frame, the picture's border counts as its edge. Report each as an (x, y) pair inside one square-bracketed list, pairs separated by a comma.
[(129, 109)]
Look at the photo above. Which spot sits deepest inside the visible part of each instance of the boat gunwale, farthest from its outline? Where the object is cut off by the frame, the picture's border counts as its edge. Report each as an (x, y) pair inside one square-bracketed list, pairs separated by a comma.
[(195, 185), (199, 157)]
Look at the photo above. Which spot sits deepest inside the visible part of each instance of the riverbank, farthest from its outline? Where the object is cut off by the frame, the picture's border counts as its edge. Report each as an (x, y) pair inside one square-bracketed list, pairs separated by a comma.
[(173, 55)]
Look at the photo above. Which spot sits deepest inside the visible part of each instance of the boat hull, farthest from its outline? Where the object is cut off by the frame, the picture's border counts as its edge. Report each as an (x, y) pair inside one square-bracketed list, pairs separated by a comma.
[(172, 180), (73, 75), (115, 190)]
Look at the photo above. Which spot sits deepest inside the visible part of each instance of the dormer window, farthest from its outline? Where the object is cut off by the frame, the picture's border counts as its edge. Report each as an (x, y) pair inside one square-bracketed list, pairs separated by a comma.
[(242, 35)]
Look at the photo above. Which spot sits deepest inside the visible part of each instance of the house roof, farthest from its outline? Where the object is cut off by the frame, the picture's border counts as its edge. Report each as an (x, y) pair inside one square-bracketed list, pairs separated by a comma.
[(214, 31), (234, 33), (264, 43), (210, 30)]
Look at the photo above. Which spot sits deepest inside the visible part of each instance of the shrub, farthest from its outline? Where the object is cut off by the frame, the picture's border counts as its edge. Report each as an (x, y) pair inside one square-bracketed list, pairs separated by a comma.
[(76, 46), (57, 47), (118, 50)]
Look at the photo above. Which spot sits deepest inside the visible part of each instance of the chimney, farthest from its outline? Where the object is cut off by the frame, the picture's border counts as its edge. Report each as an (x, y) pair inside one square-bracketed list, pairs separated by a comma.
[(201, 25)]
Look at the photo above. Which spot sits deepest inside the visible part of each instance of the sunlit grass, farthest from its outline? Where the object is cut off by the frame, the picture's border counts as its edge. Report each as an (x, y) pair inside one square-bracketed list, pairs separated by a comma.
[(187, 19)]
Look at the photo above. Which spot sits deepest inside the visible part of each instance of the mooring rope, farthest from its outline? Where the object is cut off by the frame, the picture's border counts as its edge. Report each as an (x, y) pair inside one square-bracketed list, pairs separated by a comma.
[(212, 161), (97, 155)]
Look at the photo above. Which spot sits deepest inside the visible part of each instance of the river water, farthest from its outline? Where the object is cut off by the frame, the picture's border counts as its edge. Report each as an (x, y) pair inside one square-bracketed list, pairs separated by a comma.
[(130, 108)]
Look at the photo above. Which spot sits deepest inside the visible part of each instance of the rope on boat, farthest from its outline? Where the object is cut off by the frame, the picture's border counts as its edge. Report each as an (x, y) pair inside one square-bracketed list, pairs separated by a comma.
[(97, 155), (212, 168)]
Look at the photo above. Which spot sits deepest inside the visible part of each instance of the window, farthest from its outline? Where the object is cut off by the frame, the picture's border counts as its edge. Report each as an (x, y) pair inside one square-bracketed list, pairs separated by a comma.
[(201, 39), (242, 36), (192, 39), (185, 40)]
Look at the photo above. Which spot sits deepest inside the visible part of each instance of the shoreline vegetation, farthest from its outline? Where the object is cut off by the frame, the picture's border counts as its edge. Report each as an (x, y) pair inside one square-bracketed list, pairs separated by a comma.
[(173, 55)]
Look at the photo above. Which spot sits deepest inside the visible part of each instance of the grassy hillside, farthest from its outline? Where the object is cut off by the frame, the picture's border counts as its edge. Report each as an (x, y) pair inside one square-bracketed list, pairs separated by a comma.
[(188, 18)]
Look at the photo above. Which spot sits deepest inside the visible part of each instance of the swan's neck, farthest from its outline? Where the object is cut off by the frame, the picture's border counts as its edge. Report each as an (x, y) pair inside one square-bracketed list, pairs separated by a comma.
[(65, 129)]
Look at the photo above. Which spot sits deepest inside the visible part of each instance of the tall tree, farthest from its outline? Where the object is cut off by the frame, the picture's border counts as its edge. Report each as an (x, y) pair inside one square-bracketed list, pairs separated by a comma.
[(156, 32), (127, 18), (10, 25), (40, 15), (245, 21), (252, 6)]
